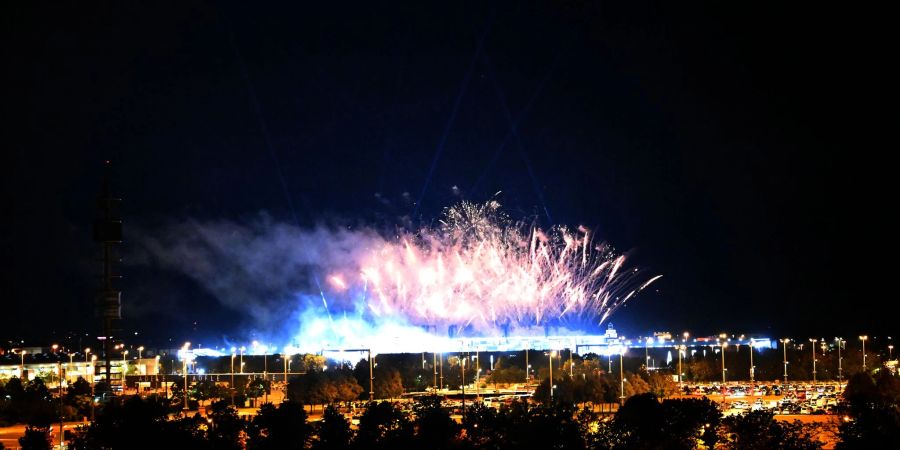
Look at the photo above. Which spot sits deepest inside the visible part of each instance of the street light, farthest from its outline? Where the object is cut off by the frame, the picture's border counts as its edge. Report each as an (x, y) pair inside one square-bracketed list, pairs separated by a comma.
[(93, 374), (552, 354), (840, 343), (242, 359), (184, 372), (890, 352), (69, 367), (621, 377), (140, 352), (156, 372), (22, 363), (724, 346), (864, 338), (752, 367), (814, 357), (231, 387), (681, 349), (784, 343)]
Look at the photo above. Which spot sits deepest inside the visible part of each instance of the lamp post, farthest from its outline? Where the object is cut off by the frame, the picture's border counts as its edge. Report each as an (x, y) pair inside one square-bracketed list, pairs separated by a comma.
[(156, 372), (814, 357), (840, 343), (784, 343), (864, 338), (140, 352), (441, 363), (571, 365), (69, 367), (724, 346), (184, 372), (59, 375), (890, 352), (93, 365), (372, 378), (22, 363), (621, 378), (527, 367), (647, 354), (552, 354), (462, 369), (231, 387), (752, 367), (434, 369), (681, 348), (242, 359)]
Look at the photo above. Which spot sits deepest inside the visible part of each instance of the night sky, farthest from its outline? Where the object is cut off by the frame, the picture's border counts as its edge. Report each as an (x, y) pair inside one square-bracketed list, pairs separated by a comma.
[(732, 148)]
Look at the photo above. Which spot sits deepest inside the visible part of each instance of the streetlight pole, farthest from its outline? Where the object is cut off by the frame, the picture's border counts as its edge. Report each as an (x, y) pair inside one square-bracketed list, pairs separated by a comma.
[(840, 368), (462, 369), (22, 363), (59, 382), (814, 357), (571, 365), (242, 359), (527, 368), (681, 348), (441, 363), (93, 374), (372, 378), (140, 352), (864, 338), (752, 367), (434, 369), (890, 352), (724, 346), (552, 354), (621, 378), (184, 372), (69, 367), (784, 343), (231, 387)]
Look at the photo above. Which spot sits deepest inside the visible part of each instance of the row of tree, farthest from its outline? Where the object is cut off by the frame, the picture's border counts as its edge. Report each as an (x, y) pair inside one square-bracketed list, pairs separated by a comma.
[(643, 422)]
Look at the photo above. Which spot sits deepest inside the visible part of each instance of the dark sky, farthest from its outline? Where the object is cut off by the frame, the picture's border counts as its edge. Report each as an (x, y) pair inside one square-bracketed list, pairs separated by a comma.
[(735, 149)]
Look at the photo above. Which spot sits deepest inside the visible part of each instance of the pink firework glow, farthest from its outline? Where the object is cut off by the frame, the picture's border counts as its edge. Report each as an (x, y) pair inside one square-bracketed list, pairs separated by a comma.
[(480, 273)]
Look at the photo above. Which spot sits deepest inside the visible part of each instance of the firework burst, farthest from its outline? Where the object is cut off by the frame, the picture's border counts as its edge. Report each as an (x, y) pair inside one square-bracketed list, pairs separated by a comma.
[(479, 273)]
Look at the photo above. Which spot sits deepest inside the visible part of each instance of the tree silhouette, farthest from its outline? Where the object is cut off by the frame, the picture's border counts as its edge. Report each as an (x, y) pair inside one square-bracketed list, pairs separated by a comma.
[(225, 427), (333, 431), (36, 438), (284, 427), (760, 430), (434, 427), (383, 426)]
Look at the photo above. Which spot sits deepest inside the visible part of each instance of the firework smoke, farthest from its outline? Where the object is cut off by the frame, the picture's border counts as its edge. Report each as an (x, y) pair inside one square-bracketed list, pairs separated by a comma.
[(477, 273)]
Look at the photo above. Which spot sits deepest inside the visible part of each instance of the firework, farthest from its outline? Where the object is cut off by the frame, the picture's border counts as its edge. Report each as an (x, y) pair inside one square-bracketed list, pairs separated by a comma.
[(476, 273)]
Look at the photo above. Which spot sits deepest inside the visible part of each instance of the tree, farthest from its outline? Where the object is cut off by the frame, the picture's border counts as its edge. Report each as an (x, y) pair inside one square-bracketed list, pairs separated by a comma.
[(435, 429), (284, 427), (661, 384), (36, 438), (875, 418), (225, 427), (635, 385), (383, 426), (333, 431), (688, 420), (482, 426), (759, 429), (388, 383), (136, 423)]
